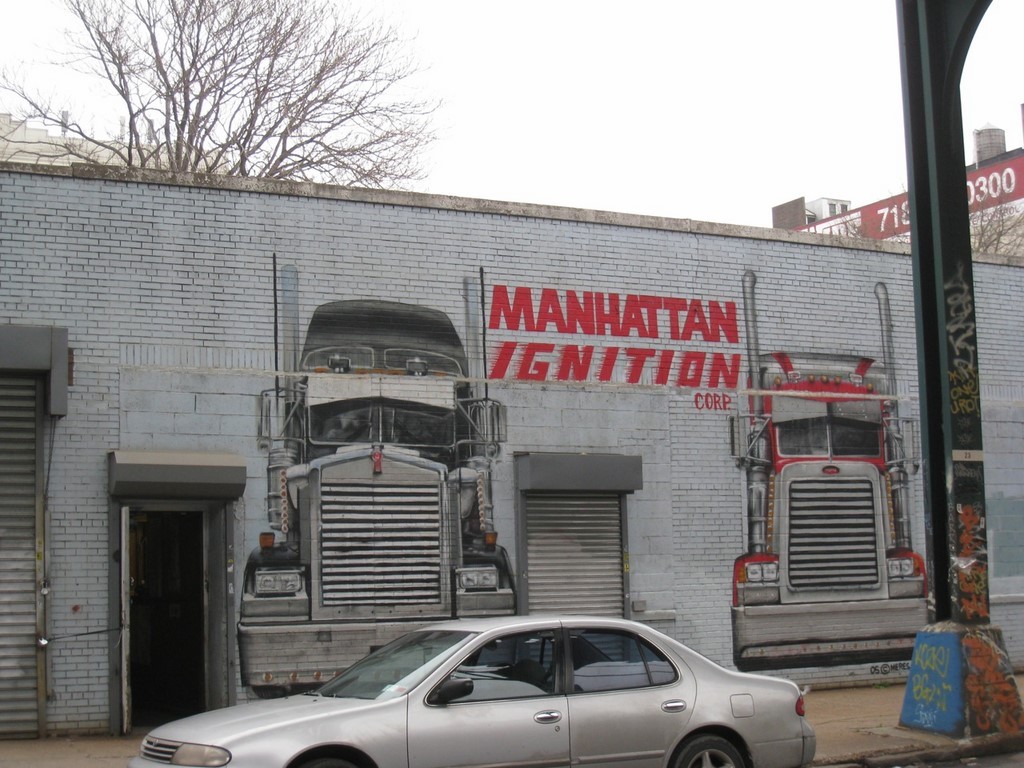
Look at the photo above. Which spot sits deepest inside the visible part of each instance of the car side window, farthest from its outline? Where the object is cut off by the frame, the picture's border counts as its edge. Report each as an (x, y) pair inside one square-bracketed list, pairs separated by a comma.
[(604, 660), (512, 667)]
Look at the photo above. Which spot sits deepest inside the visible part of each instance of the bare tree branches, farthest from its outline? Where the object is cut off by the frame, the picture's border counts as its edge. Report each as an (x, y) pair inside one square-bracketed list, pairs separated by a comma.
[(999, 231), (284, 89)]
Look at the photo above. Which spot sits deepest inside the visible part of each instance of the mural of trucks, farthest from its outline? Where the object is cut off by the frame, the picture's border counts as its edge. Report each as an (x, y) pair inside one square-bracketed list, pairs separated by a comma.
[(379, 488), (829, 575)]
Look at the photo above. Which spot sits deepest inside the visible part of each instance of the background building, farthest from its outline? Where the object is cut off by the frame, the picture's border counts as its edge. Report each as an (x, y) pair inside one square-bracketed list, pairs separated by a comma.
[(995, 196)]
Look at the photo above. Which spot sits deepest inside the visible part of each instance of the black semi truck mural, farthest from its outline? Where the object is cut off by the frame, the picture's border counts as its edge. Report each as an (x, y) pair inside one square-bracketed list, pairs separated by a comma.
[(379, 489), (830, 575)]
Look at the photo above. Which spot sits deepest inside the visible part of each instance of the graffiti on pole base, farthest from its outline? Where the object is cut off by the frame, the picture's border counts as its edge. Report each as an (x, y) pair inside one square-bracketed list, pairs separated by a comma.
[(934, 697), (993, 703)]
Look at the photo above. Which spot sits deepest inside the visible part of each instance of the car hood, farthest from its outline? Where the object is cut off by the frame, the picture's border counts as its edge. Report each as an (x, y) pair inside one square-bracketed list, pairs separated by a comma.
[(228, 726)]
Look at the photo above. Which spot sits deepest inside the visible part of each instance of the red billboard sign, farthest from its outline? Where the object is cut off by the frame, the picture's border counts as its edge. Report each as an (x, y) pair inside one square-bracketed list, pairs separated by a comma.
[(987, 187)]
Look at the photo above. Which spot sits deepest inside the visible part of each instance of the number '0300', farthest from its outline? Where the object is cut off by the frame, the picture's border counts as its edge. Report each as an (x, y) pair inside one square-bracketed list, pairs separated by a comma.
[(991, 187)]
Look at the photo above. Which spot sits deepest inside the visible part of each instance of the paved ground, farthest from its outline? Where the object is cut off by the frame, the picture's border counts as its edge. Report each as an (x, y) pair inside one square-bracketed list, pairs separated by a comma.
[(855, 727)]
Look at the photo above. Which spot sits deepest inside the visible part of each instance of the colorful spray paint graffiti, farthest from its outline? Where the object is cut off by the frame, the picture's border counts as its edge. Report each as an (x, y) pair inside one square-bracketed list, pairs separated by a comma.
[(934, 697), (993, 702), (971, 570), (969, 558), (961, 684)]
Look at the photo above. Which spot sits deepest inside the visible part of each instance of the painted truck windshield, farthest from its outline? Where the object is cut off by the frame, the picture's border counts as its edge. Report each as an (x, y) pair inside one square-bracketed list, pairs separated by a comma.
[(813, 428), (369, 421)]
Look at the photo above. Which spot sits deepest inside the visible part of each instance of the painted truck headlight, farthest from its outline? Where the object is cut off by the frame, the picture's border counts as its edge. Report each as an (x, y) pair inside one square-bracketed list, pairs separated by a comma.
[(906, 574), (477, 578), (756, 580), (276, 581), (901, 568), (761, 572)]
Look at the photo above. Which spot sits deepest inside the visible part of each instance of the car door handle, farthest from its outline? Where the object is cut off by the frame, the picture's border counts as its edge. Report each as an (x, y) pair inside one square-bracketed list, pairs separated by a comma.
[(674, 705), (548, 716)]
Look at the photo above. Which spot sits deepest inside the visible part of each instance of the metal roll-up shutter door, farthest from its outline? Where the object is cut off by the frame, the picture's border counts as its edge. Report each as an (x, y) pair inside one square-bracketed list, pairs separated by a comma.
[(19, 401), (574, 553)]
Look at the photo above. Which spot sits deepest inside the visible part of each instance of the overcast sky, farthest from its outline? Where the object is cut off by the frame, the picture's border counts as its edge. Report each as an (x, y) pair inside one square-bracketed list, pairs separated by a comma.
[(711, 110)]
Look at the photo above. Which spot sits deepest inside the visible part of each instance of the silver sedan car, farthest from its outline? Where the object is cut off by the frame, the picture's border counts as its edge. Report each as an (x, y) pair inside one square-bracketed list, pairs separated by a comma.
[(517, 691)]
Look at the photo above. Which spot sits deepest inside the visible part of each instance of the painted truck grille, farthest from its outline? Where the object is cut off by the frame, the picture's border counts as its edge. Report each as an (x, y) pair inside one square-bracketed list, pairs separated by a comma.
[(380, 544), (832, 534)]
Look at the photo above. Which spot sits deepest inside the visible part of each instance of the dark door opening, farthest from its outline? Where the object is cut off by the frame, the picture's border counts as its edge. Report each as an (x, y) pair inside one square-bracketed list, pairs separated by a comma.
[(168, 675)]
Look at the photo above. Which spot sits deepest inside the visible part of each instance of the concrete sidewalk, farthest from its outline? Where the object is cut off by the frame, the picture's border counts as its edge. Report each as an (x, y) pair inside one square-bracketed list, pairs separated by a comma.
[(860, 727), (855, 727)]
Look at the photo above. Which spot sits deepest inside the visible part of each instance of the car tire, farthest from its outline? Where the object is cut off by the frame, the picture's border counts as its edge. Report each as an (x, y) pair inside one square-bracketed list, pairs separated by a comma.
[(710, 752), (328, 762)]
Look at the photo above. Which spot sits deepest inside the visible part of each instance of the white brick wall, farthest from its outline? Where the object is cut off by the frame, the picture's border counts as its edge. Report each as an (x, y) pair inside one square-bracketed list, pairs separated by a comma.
[(167, 294)]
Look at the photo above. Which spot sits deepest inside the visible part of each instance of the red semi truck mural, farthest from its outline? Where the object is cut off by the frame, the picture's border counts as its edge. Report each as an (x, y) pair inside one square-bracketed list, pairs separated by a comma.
[(830, 575), (379, 488)]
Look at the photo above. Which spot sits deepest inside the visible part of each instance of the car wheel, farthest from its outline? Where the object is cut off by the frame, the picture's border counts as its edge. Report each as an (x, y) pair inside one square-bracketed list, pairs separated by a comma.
[(328, 762), (710, 752)]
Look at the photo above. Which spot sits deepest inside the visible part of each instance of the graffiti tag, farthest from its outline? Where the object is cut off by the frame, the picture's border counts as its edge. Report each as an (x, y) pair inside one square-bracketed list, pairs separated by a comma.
[(992, 696), (933, 658), (960, 321), (970, 560), (964, 391), (970, 563), (934, 693)]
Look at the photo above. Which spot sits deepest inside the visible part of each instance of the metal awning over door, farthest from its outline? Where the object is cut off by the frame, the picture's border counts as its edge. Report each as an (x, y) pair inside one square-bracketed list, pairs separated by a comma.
[(20, 401), (575, 562)]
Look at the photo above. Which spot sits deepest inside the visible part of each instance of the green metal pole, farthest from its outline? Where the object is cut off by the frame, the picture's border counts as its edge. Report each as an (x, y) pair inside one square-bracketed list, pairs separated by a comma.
[(936, 36), (961, 681)]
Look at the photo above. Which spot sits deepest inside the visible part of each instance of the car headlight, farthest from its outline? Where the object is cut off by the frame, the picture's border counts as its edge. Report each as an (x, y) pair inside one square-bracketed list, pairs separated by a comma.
[(755, 572), (477, 578), (200, 756), (277, 581)]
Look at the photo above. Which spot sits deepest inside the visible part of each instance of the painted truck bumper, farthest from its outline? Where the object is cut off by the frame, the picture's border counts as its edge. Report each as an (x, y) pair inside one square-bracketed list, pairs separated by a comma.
[(290, 655), (771, 637), (278, 660)]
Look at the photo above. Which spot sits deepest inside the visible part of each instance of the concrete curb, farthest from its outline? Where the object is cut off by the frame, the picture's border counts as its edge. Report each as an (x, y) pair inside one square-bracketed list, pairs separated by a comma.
[(982, 746)]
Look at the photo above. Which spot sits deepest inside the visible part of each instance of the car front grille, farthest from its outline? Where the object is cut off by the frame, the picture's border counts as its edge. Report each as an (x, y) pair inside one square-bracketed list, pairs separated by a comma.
[(833, 539), (158, 750)]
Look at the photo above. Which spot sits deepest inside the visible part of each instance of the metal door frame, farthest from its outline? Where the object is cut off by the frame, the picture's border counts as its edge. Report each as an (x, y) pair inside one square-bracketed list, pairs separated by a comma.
[(218, 578)]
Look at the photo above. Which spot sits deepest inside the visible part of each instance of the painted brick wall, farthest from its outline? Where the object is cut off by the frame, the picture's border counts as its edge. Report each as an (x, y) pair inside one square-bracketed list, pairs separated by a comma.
[(167, 293)]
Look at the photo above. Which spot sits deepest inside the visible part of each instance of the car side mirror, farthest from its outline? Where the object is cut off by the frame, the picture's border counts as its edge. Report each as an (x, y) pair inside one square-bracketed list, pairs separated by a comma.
[(451, 689)]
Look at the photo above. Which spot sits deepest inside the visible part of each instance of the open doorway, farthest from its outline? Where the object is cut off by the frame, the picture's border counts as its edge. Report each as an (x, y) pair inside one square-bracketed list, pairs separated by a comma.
[(172, 586), (166, 585)]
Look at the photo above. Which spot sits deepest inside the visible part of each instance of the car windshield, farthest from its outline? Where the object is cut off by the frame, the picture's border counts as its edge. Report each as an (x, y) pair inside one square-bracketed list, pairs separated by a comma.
[(397, 667)]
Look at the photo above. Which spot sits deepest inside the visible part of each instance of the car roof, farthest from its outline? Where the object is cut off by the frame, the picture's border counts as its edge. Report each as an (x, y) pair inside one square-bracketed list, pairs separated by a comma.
[(535, 620)]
